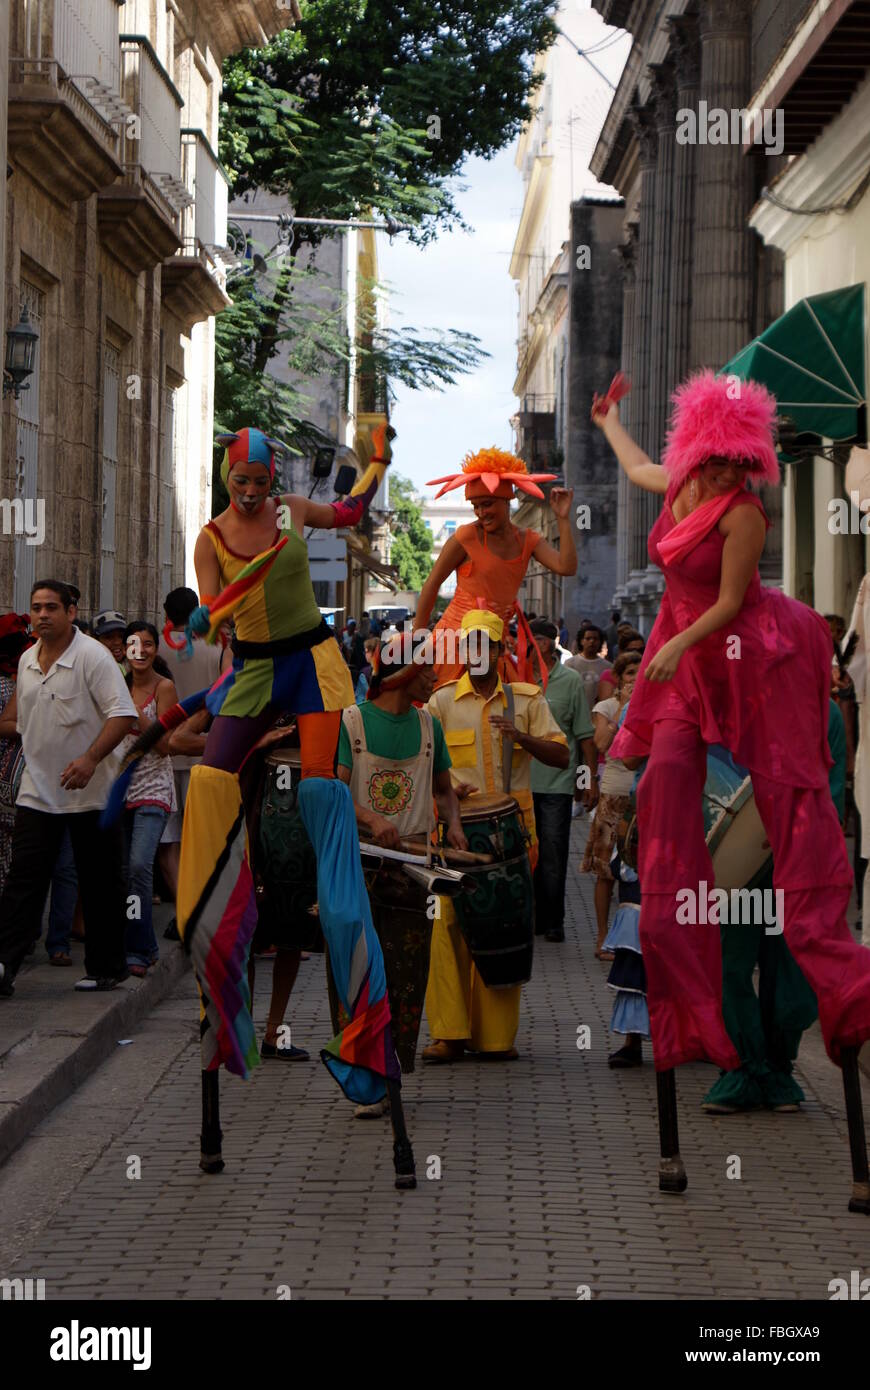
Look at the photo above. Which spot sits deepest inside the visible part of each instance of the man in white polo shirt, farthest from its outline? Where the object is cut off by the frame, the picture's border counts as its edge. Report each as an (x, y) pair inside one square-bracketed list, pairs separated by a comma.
[(73, 710)]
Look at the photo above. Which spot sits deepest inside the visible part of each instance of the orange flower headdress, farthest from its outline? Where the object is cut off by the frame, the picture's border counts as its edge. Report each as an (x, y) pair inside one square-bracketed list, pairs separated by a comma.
[(493, 473)]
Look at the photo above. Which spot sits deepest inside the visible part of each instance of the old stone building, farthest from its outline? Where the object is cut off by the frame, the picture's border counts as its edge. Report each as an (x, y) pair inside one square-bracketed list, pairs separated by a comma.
[(563, 264), (698, 282), (115, 242)]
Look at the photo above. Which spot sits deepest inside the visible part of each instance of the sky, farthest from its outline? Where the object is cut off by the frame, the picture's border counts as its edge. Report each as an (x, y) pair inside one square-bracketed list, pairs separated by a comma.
[(460, 281)]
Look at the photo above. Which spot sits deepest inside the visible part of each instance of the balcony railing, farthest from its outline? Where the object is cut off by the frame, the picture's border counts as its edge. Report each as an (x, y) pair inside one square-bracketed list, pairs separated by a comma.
[(86, 43), (152, 141), (204, 220), (81, 36)]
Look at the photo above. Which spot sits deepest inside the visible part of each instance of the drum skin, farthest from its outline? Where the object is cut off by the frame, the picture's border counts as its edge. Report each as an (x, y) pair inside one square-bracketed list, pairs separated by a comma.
[(284, 862), (735, 835), (497, 917)]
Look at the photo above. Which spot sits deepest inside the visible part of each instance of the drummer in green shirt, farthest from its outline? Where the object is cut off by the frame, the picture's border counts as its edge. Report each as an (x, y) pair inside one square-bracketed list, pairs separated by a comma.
[(553, 787), (394, 757)]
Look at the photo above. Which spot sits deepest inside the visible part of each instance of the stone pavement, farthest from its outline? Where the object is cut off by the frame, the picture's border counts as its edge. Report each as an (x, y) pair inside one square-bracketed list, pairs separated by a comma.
[(547, 1180), (52, 1038)]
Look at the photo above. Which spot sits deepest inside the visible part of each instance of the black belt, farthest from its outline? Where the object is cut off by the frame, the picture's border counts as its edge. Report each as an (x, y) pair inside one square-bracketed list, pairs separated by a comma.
[(283, 646)]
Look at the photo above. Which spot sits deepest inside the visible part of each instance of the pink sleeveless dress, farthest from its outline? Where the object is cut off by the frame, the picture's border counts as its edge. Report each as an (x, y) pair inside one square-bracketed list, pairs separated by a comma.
[(760, 685)]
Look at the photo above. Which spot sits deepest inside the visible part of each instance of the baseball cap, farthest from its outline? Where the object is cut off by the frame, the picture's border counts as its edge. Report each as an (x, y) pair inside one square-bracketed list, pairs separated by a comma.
[(109, 621)]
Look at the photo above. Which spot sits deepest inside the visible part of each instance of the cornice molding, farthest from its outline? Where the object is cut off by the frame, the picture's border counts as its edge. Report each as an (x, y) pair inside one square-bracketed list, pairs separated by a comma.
[(826, 174)]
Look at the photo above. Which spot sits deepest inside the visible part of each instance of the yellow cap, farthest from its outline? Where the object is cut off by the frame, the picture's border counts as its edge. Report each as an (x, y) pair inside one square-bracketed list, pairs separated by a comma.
[(480, 620)]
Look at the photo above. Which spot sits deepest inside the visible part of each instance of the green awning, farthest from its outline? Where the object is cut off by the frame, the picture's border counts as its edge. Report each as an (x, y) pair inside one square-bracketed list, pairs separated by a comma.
[(812, 359)]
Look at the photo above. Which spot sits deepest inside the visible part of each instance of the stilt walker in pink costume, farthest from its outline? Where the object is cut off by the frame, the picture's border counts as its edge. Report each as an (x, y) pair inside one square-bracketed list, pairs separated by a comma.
[(729, 661)]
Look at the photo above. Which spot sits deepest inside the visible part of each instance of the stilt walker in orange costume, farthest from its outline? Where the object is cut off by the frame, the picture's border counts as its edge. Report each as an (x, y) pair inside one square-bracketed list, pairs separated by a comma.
[(491, 556)]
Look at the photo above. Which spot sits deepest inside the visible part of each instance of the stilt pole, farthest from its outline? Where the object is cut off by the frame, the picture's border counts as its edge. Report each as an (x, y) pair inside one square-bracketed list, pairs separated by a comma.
[(672, 1173), (860, 1199), (210, 1160), (403, 1154)]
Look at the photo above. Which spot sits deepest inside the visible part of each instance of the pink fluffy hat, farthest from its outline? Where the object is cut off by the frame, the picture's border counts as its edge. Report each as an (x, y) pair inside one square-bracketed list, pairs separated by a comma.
[(720, 416)]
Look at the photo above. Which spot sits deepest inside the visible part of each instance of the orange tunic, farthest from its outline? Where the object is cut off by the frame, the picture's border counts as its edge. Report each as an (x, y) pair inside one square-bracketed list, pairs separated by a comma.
[(484, 581)]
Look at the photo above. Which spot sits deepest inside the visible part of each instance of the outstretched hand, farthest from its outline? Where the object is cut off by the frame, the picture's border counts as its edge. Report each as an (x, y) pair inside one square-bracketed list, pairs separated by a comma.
[(560, 502)]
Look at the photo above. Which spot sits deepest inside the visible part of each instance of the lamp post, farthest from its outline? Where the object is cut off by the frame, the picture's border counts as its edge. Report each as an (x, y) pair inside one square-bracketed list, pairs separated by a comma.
[(20, 351)]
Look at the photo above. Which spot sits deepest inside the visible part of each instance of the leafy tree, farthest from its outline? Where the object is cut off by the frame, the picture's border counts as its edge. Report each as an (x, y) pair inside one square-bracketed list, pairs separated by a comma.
[(411, 550), (311, 329), (365, 106), (372, 104)]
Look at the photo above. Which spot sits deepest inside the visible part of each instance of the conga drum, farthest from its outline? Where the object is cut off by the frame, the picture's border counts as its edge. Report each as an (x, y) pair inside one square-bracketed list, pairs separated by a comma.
[(497, 916), (285, 866), (736, 837)]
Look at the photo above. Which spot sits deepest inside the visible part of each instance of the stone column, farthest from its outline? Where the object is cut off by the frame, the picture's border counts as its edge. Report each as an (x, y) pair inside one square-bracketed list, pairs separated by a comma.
[(626, 495), (723, 259), (644, 125), (663, 98), (4, 103), (686, 55)]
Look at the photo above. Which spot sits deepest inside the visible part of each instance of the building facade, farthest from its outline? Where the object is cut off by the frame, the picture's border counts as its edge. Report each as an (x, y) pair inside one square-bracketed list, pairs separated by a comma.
[(563, 265), (115, 242), (815, 214), (698, 283)]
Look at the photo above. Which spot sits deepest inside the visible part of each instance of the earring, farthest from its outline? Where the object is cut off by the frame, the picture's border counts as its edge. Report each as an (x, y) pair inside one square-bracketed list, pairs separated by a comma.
[(693, 492)]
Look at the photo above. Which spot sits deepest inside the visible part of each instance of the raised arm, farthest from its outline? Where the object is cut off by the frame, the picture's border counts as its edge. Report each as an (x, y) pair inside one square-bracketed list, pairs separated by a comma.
[(638, 468), (563, 560), (452, 556), (330, 516)]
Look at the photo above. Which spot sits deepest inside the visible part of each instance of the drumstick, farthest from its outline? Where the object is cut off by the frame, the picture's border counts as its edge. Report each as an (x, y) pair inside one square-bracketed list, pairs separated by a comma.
[(409, 853), (462, 856)]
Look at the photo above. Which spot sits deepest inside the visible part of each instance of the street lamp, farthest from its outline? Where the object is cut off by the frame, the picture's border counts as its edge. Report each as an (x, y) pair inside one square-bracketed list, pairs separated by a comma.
[(20, 350)]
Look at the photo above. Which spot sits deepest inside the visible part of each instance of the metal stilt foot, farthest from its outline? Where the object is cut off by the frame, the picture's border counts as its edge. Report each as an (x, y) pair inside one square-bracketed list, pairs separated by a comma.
[(672, 1172), (860, 1199), (210, 1160), (403, 1154)]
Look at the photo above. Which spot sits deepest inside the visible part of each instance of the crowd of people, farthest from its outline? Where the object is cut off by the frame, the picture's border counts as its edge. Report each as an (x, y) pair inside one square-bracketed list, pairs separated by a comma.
[(479, 753)]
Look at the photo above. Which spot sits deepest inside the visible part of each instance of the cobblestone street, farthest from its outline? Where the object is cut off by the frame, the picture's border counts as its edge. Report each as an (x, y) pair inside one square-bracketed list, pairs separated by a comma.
[(548, 1172)]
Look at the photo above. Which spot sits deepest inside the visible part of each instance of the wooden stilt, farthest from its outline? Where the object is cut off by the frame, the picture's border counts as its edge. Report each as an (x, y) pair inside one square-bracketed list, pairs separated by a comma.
[(860, 1199), (672, 1173), (403, 1154), (210, 1160)]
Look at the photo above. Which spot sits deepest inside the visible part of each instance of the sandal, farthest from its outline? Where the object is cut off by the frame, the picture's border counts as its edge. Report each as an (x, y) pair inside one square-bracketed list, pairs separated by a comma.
[(60, 958), (626, 1057), (140, 971)]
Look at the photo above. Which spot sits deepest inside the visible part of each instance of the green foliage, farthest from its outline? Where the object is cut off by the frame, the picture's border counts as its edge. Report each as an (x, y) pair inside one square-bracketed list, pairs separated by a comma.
[(367, 104), (411, 549)]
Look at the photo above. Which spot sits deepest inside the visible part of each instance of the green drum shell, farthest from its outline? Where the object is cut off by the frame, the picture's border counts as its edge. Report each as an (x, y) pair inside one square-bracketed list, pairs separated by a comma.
[(497, 916), (285, 863)]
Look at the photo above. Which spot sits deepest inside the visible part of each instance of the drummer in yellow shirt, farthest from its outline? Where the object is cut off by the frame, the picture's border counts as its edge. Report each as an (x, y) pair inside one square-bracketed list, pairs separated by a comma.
[(462, 1012)]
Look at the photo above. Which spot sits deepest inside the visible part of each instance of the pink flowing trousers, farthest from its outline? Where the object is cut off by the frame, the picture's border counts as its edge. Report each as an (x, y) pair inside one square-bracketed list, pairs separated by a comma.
[(684, 962)]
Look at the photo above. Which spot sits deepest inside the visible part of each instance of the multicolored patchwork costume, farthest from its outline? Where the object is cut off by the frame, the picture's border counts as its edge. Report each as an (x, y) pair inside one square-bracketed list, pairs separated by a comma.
[(285, 658)]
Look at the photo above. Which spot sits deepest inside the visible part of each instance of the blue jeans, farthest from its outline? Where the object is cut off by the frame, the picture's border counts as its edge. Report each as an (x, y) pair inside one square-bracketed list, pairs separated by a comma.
[(64, 896), (553, 827), (142, 829)]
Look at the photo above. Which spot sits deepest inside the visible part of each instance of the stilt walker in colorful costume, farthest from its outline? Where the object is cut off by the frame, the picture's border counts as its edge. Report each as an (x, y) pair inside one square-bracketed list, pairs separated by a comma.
[(252, 563), (491, 556), (731, 662)]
